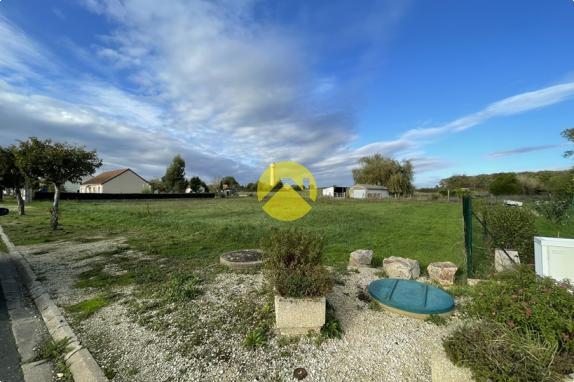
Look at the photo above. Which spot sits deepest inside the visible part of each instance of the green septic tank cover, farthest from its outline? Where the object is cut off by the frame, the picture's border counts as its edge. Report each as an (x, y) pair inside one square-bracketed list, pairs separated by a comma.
[(411, 296)]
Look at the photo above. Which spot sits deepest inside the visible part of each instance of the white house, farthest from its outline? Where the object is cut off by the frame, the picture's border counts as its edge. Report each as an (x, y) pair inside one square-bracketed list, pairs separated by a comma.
[(123, 181), (335, 192), (368, 191)]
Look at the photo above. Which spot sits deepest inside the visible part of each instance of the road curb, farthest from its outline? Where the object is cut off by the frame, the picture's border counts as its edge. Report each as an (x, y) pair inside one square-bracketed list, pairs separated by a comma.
[(79, 360)]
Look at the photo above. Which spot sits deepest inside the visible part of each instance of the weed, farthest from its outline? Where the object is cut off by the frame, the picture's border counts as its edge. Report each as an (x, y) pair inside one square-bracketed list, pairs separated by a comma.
[(332, 327), (54, 351), (86, 308), (255, 338), (436, 319), (98, 278), (183, 288)]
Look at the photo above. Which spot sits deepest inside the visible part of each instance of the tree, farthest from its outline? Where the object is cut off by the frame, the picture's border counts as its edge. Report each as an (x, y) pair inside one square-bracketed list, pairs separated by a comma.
[(55, 163), (381, 171), (174, 178), (156, 185), (569, 135), (229, 181), (505, 184), (196, 184), (11, 176)]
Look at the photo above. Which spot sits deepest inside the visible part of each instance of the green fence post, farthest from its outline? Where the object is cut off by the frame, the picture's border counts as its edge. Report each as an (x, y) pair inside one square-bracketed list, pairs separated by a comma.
[(467, 215)]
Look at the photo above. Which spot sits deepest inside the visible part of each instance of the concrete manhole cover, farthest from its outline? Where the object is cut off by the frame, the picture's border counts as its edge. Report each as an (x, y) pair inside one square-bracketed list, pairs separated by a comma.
[(243, 259)]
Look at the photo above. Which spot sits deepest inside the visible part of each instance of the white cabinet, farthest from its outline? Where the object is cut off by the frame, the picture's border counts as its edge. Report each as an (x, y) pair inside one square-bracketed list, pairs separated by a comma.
[(554, 257)]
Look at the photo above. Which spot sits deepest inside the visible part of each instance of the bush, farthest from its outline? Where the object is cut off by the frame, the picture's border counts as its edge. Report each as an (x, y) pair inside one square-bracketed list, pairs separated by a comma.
[(557, 211), (511, 228), (293, 264), (527, 304), (493, 352)]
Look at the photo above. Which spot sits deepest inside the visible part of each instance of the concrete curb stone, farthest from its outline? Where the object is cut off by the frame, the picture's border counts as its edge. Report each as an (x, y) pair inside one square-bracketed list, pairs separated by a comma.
[(79, 360)]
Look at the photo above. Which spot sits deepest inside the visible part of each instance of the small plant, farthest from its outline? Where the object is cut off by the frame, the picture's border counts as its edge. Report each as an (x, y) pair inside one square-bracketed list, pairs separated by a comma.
[(496, 353), (332, 327), (255, 338), (555, 210), (437, 320), (183, 288), (54, 351), (511, 228), (293, 264)]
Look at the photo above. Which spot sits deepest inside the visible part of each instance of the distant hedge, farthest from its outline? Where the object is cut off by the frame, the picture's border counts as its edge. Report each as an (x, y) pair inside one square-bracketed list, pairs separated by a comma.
[(87, 196)]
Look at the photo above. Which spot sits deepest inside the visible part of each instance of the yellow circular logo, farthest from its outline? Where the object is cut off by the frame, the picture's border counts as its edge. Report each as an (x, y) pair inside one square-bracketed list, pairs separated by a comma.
[(286, 188)]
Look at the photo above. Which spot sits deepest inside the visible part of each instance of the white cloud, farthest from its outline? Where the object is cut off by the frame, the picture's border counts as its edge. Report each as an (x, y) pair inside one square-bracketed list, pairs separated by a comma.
[(227, 91), (522, 150)]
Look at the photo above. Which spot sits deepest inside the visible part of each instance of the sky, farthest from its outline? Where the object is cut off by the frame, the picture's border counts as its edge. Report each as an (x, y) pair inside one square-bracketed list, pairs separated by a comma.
[(457, 87)]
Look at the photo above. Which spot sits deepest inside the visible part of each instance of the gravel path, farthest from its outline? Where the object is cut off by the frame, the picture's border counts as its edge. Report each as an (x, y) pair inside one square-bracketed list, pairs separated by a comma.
[(376, 345)]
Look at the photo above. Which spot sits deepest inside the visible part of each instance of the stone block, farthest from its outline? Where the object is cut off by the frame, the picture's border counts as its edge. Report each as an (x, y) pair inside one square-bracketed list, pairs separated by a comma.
[(502, 262), (401, 268), (299, 316), (443, 272), (361, 258)]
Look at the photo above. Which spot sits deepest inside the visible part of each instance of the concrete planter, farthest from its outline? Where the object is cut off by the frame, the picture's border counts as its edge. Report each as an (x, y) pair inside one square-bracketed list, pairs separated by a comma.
[(297, 316)]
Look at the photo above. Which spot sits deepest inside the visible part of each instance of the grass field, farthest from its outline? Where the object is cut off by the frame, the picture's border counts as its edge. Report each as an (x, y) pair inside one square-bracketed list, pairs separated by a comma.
[(200, 230)]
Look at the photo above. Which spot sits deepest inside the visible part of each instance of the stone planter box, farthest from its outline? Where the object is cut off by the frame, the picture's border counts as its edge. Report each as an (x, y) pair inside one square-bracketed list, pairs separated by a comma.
[(298, 316)]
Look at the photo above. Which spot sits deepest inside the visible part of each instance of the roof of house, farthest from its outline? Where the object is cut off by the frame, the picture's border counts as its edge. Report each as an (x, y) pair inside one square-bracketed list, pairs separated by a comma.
[(369, 187), (105, 177)]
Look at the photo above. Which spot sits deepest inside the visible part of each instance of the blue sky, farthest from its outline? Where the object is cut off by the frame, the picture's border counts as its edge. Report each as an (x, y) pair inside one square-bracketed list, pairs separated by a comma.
[(456, 86)]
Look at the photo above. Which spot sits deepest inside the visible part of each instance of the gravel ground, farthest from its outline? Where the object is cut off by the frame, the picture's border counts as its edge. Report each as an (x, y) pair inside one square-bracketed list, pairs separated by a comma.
[(202, 340)]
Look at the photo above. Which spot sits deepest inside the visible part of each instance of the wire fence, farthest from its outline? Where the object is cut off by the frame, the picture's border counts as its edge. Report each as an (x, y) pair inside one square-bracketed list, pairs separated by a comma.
[(480, 242)]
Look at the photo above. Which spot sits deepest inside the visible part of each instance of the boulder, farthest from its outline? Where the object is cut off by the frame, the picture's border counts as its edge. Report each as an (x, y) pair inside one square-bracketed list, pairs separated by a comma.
[(361, 258), (502, 262), (401, 268), (443, 272)]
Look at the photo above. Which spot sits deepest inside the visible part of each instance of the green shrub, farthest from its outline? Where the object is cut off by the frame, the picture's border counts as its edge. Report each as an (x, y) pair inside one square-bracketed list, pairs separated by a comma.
[(494, 352), (511, 228), (555, 210), (528, 304), (293, 264)]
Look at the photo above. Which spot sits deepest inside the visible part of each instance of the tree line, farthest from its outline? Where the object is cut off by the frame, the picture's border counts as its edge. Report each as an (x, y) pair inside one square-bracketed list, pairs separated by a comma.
[(557, 184), (512, 183)]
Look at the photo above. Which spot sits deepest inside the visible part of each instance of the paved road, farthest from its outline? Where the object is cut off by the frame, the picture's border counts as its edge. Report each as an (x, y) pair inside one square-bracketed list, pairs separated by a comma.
[(9, 358)]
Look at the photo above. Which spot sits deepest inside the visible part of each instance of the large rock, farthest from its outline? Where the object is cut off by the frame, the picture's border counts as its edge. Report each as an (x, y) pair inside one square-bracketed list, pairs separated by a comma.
[(360, 258), (502, 262), (443, 272), (401, 268)]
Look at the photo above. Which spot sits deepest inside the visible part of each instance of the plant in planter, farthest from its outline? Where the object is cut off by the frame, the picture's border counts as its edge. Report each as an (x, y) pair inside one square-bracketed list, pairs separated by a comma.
[(293, 266)]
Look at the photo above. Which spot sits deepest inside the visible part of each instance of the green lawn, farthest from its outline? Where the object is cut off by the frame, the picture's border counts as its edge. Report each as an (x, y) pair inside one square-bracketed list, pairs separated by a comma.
[(200, 230)]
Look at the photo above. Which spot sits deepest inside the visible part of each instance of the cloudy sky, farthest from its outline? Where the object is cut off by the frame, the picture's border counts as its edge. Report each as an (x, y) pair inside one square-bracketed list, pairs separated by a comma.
[(455, 86)]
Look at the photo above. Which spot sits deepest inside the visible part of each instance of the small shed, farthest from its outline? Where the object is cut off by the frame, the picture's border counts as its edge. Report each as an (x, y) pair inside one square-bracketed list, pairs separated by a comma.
[(368, 191), (335, 192)]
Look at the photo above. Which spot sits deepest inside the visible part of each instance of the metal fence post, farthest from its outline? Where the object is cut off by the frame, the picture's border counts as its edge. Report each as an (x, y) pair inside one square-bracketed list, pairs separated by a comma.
[(467, 215)]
